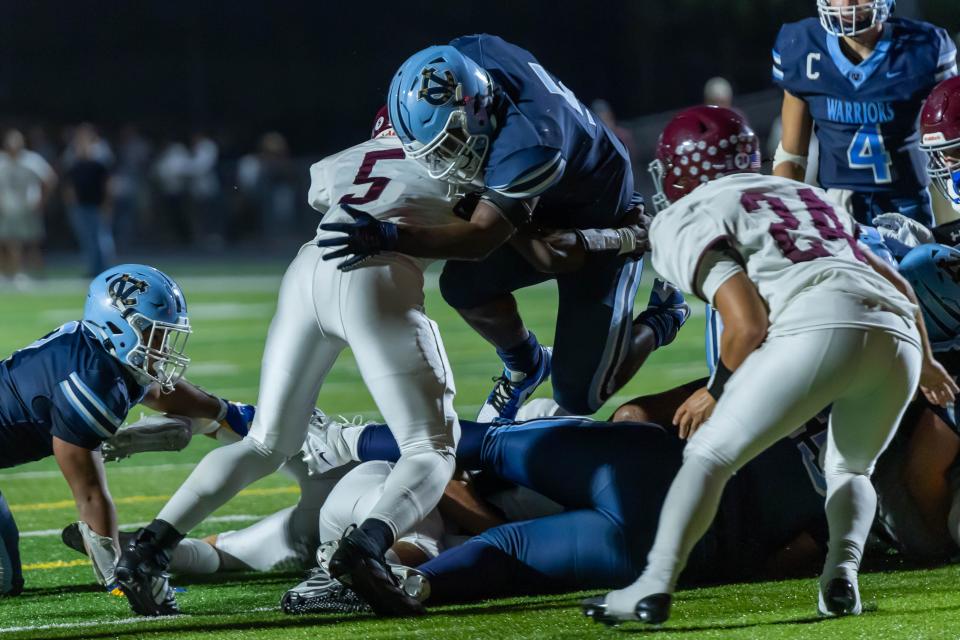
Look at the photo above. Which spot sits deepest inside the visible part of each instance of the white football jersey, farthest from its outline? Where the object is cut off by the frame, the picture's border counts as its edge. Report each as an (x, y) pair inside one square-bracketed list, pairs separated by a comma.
[(799, 250), (377, 177)]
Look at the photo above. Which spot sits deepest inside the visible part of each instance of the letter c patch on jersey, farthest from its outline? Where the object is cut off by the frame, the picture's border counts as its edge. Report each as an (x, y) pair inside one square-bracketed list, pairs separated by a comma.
[(811, 57)]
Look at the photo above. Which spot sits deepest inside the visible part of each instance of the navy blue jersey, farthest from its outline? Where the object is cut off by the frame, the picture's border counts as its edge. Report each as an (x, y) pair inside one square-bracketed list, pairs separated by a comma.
[(548, 143), (865, 115), (64, 385)]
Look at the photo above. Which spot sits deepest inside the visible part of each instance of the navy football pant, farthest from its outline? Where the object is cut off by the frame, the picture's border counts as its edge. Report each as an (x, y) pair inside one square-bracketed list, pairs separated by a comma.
[(594, 316), (611, 479), (11, 573), (866, 206)]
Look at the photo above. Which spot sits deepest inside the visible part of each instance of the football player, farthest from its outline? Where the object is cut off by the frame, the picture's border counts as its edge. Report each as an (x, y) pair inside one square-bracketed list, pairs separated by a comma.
[(940, 139), (375, 307), (601, 518), (784, 270), (857, 77), (69, 391), (484, 113)]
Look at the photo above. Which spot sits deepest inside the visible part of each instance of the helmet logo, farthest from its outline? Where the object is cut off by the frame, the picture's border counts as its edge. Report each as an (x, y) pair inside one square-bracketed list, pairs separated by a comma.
[(436, 89), (123, 291)]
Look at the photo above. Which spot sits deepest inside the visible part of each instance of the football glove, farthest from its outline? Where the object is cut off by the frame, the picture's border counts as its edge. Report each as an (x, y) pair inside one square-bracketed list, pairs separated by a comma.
[(365, 237)]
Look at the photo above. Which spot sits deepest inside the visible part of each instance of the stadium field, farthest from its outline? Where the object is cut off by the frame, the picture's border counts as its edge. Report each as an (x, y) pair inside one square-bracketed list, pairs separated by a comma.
[(230, 314)]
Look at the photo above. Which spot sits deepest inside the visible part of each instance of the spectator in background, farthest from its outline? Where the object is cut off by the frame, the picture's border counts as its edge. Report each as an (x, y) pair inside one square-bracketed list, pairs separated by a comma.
[(26, 180), (268, 179), (203, 189), (603, 109), (87, 196), (128, 185), (170, 171), (718, 92)]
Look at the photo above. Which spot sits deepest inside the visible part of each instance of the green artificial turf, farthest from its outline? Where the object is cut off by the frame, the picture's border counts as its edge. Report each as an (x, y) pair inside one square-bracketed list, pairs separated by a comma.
[(230, 314)]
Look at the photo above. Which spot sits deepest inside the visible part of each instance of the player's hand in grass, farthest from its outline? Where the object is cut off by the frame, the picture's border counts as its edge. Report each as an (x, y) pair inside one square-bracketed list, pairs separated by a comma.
[(936, 384), (694, 412)]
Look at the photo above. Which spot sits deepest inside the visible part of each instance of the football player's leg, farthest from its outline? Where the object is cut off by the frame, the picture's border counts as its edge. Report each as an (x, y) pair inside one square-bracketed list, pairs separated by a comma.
[(862, 422), (481, 292), (809, 371), (582, 549), (11, 573), (658, 408), (596, 351)]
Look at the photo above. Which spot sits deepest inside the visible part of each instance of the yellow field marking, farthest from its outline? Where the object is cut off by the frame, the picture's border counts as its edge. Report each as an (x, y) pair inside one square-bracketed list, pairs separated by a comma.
[(64, 504), (56, 564)]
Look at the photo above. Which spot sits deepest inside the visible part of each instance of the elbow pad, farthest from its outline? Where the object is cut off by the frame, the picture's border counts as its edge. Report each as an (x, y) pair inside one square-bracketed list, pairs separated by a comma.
[(782, 156)]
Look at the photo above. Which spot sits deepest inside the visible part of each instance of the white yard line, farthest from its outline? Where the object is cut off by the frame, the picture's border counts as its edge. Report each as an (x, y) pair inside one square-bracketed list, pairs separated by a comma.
[(239, 517), (112, 468), (120, 622)]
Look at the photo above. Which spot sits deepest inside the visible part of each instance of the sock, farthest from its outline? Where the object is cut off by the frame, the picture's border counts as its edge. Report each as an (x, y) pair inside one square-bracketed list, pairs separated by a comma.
[(376, 538), (850, 506), (164, 535), (195, 557), (523, 357)]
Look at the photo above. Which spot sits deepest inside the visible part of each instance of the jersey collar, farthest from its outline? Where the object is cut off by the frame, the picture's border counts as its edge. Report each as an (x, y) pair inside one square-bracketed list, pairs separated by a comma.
[(857, 74)]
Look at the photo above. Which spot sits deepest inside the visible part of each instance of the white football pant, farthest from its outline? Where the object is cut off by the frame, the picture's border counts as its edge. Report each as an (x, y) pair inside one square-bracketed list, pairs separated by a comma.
[(869, 376), (377, 311)]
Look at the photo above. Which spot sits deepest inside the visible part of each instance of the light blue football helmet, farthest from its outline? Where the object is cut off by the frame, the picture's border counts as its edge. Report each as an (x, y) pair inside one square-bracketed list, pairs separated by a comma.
[(440, 102), (934, 272), (851, 20), (140, 316)]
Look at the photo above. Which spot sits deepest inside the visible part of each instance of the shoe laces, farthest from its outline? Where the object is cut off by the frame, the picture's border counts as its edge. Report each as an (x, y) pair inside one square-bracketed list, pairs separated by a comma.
[(502, 392)]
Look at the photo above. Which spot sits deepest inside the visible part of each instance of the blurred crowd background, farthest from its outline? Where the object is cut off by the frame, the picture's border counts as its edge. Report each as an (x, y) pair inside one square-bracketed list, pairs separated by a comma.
[(142, 128)]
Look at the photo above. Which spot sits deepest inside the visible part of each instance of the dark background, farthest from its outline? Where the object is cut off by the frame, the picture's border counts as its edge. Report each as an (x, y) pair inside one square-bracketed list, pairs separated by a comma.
[(317, 71)]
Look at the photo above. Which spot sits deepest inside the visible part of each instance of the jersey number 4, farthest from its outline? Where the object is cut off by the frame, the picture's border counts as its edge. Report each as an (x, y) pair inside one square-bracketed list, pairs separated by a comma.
[(866, 151), (377, 183)]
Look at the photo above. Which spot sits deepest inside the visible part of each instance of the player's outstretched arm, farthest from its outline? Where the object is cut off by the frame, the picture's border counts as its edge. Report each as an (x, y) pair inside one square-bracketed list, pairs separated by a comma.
[(937, 385), (745, 323), (186, 399), (85, 475), (790, 160), (488, 228)]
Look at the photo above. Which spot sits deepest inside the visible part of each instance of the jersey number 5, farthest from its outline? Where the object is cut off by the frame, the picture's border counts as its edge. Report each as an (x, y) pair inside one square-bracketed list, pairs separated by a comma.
[(866, 151), (377, 184)]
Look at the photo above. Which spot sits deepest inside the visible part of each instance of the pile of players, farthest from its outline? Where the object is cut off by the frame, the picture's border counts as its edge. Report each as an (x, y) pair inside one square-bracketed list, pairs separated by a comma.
[(823, 348)]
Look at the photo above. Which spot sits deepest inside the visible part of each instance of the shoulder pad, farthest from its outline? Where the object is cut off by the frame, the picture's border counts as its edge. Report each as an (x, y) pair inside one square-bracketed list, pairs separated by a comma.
[(526, 173)]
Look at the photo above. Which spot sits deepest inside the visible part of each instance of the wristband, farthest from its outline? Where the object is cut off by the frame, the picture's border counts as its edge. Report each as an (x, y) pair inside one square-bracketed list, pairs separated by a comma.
[(224, 407), (720, 376)]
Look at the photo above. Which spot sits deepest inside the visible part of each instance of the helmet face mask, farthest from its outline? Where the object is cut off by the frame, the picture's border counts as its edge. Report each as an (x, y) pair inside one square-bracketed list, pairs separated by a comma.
[(940, 138), (140, 317), (943, 167), (455, 155), (852, 20)]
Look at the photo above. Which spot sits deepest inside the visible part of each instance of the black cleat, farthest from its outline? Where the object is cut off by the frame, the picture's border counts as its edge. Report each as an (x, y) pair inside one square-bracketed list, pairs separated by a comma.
[(140, 572), (371, 578), (320, 593), (654, 609), (840, 599)]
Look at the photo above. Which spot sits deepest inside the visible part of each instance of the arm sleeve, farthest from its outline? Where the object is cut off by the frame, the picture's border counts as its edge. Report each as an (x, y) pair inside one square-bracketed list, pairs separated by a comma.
[(947, 58), (681, 237), (717, 267), (318, 196), (86, 414)]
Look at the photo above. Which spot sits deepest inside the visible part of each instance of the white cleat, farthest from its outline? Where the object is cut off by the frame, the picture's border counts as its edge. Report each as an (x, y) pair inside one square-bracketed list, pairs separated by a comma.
[(156, 433), (324, 448)]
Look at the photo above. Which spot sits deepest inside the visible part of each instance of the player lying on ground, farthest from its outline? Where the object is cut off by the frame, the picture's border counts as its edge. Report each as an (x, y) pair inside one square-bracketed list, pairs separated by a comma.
[(609, 481), (857, 78), (810, 319), (69, 391), (481, 113)]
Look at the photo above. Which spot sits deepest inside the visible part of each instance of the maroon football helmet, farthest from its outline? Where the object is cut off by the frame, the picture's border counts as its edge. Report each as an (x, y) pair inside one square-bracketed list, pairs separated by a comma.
[(701, 144), (940, 138), (381, 123)]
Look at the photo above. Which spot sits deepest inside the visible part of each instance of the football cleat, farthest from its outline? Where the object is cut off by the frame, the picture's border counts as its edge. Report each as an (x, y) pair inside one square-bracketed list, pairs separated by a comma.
[(666, 312), (140, 572), (154, 433), (320, 593), (323, 448), (841, 598), (71, 537), (371, 578), (513, 388), (653, 609)]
